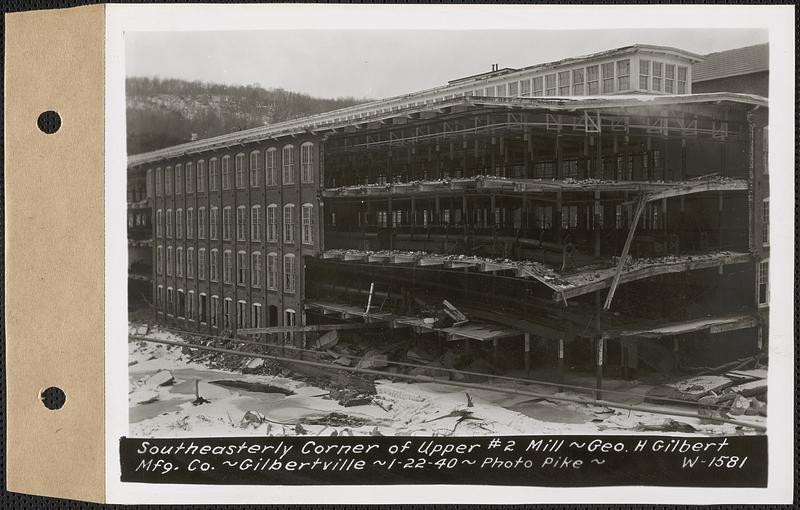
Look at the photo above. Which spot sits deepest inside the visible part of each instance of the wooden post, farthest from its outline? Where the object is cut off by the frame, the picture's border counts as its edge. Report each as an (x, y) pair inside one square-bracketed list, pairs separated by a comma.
[(528, 354), (599, 344), (625, 249), (560, 362)]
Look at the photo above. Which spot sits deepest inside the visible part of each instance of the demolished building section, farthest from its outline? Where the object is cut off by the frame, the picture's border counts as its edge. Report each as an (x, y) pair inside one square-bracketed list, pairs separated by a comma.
[(565, 232)]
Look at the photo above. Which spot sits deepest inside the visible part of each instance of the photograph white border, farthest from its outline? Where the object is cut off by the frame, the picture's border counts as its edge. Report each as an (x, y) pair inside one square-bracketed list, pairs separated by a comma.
[(779, 20)]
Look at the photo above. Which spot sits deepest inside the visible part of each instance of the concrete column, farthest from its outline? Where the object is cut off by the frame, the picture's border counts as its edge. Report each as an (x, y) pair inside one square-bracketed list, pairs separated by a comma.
[(599, 360), (561, 350)]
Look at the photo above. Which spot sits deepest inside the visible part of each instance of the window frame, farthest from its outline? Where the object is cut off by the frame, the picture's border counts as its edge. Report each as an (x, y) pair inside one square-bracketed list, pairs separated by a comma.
[(289, 273), (288, 224), (287, 165), (307, 224), (307, 163)]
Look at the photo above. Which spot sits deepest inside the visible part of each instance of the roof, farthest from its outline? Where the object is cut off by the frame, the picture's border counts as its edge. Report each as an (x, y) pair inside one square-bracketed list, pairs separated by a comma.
[(371, 112), (735, 62)]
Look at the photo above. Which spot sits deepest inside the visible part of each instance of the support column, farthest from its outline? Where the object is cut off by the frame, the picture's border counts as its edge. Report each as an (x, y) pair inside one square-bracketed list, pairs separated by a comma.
[(597, 230), (599, 355), (528, 354), (561, 362)]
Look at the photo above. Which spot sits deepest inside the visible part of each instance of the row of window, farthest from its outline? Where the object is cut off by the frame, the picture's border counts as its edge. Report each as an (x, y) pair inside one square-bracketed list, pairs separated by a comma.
[(256, 223), (208, 268), (179, 179), (184, 305), (662, 77)]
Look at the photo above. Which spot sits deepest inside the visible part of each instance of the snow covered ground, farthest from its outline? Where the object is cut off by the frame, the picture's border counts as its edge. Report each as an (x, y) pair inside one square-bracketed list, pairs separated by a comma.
[(163, 384)]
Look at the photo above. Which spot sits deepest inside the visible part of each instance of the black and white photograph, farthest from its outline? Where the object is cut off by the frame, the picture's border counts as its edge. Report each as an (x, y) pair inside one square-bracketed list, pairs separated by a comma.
[(577, 243)]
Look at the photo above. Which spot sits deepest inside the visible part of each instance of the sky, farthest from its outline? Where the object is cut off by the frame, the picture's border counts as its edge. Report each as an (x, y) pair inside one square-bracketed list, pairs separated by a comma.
[(379, 64)]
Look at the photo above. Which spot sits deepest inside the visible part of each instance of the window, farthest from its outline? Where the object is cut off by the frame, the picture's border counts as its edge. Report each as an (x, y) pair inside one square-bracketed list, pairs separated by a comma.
[(213, 175), (765, 222), (201, 223), (214, 266), (201, 308), (608, 77), (190, 306), (226, 313), (168, 181), (288, 223), (272, 271), (307, 162), (488, 91), (669, 78), (593, 80), (160, 259), (307, 211), (765, 149), (241, 267), (160, 297), (564, 83), (644, 74), (239, 164), (513, 89), (179, 261), (169, 223), (226, 172), (201, 264), (158, 182), (226, 223), (269, 165), (550, 84), (201, 176), (658, 73), (213, 221), (272, 228), (525, 88), (255, 315), (190, 223), (241, 314), (170, 301), (682, 72), (255, 171), (189, 178), (538, 86), (159, 223), (241, 223), (169, 261), (149, 183), (578, 79), (763, 283), (623, 74), (256, 269), (382, 219), (214, 311), (288, 273), (178, 179), (190, 263), (256, 223), (288, 164), (181, 312), (501, 90), (179, 224), (227, 267), (290, 320)]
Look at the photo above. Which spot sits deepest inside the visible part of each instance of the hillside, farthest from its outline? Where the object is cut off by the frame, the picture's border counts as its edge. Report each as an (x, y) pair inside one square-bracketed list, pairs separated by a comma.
[(165, 112)]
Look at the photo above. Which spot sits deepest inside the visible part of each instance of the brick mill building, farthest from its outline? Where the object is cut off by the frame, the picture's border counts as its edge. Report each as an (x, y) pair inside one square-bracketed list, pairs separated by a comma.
[(591, 210)]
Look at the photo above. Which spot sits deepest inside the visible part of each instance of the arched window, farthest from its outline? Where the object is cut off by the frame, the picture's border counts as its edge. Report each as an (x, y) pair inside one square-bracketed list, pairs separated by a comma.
[(287, 159), (179, 224), (269, 165), (239, 164), (169, 223), (226, 223), (214, 266), (213, 175), (190, 223), (178, 179), (190, 306), (241, 223), (179, 261), (272, 223), (288, 223), (226, 172), (255, 315), (289, 273), (255, 171), (189, 177), (159, 223), (213, 223), (190, 263), (241, 267), (307, 162), (241, 314), (160, 259), (201, 176), (158, 181), (214, 315), (169, 261), (256, 223), (272, 271), (256, 269), (201, 264), (307, 224), (227, 267), (168, 181)]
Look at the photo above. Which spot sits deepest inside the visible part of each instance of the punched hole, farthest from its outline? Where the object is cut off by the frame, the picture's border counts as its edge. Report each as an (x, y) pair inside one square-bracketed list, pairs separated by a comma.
[(49, 122), (53, 398)]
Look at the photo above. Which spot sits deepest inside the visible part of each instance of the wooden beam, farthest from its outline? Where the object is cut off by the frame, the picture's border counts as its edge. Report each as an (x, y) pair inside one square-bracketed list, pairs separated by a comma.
[(623, 257), (306, 329)]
